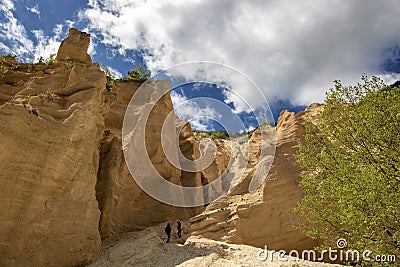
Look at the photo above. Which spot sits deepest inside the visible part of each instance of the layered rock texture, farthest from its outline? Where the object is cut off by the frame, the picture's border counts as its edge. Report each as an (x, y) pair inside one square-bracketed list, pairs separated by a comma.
[(65, 185), (51, 124), (124, 205), (64, 181), (265, 216)]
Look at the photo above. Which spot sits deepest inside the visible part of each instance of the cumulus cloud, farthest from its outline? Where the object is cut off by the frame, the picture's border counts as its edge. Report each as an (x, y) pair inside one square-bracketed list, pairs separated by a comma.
[(199, 116), (390, 78), (47, 45), (14, 38), (115, 72), (34, 10), (69, 23), (250, 128), (236, 86), (13, 32), (291, 49)]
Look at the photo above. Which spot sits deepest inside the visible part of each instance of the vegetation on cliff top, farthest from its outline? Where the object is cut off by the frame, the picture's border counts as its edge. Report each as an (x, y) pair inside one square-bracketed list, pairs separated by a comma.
[(351, 176), (5, 65), (138, 73), (48, 61)]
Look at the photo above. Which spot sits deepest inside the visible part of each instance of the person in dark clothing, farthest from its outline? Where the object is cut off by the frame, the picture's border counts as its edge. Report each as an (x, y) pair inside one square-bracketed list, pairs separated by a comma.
[(168, 231), (179, 228)]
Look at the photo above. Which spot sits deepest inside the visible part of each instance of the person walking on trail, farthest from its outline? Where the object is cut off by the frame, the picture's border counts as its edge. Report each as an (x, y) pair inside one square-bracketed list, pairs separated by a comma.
[(168, 231), (179, 228)]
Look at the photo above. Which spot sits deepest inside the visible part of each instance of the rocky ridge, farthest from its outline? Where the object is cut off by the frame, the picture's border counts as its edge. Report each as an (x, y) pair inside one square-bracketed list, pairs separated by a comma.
[(51, 119), (265, 216), (65, 186), (64, 181)]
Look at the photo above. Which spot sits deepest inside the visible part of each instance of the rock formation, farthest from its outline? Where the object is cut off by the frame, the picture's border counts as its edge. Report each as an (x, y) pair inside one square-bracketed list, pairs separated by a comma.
[(51, 124), (265, 216), (65, 186), (74, 48), (124, 205), (216, 169), (64, 181), (190, 150)]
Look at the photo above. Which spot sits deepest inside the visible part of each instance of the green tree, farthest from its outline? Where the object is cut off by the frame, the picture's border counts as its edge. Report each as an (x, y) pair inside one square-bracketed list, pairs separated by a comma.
[(138, 73), (8, 56), (110, 78), (7, 62), (51, 59), (48, 61), (351, 163), (3, 70)]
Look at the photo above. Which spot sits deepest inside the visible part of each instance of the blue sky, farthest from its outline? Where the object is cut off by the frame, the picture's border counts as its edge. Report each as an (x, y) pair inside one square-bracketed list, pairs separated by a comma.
[(292, 50)]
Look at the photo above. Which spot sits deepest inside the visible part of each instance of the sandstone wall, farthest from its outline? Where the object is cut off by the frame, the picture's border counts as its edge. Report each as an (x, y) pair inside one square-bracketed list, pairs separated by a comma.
[(274, 217), (265, 216), (51, 123), (64, 182), (124, 205), (216, 169)]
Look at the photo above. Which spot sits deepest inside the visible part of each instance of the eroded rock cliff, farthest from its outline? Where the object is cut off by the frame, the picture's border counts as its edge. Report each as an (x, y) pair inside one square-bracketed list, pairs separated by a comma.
[(65, 185), (265, 216), (124, 205), (64, 182), (51, 124)]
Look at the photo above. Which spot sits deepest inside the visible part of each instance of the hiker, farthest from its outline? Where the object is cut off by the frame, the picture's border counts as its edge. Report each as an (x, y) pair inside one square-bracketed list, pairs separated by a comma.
[(168, 231), (179, 228)]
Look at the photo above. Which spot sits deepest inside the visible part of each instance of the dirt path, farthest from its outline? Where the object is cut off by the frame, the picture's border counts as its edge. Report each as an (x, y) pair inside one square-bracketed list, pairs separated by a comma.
[(148, 248)]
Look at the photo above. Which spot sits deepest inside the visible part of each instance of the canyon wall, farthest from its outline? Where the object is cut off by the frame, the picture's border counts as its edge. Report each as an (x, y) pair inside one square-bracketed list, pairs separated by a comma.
[(64, 183), (51, 124), (265, 216), (124, 205)]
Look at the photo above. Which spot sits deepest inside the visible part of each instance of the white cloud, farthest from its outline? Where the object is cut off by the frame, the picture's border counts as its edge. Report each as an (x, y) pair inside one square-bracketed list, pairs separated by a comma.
[(117, 73), (34, 10), (389, 78), (237, 87), (291, 49), (250, 128), (47, 45), (69, 23), (3, 47), (92, 49), (13, 32), (188, 109), (198, 86), (14, 38)]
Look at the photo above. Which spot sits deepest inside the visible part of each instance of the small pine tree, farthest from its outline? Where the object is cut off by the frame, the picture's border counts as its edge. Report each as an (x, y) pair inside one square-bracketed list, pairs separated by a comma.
[(138, 73), (110, 78), (51, 59)]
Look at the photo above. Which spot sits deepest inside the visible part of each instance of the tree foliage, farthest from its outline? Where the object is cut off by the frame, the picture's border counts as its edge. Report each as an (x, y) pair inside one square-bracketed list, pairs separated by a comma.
[(138, 73), (7, 63), (351, 163), (48, 61), (110, 79), (8, 56), (51, 59)]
